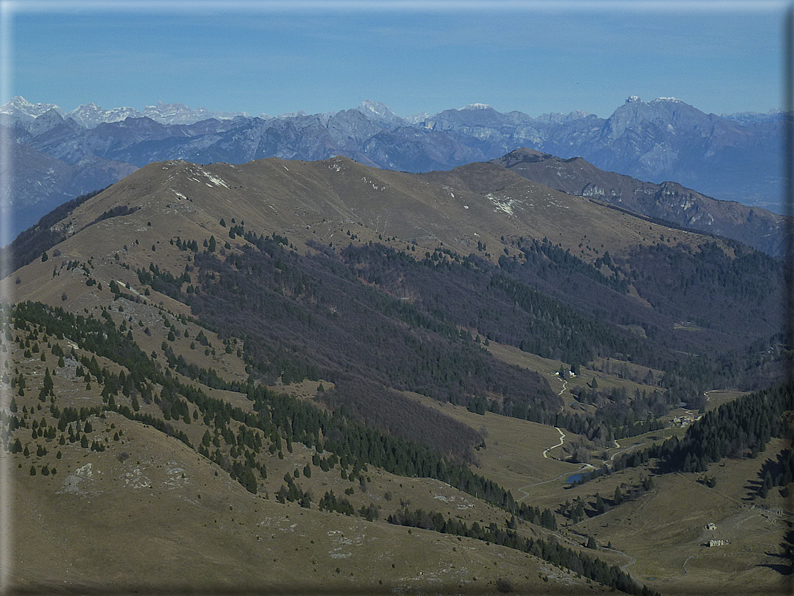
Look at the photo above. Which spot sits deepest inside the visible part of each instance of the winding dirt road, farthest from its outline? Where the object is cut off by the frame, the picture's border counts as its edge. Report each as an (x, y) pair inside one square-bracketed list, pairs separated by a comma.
[(560, 444)]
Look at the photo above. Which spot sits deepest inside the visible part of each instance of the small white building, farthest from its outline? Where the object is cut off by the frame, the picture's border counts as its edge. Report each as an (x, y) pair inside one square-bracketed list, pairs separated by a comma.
[(718, 542)]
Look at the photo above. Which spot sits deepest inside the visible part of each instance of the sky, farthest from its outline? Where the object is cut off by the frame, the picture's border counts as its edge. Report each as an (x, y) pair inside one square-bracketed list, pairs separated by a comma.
[(278, 57)]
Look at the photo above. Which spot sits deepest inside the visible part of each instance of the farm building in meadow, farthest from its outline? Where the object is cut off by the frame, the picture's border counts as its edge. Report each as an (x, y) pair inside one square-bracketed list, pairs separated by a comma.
[(718, 542)]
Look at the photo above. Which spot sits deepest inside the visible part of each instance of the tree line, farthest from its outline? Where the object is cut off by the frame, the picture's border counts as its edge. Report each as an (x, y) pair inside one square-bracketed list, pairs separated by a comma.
[(551, 551)]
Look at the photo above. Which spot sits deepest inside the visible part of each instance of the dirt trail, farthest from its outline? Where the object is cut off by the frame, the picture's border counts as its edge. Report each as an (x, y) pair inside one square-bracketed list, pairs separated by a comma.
[(562, 440), (584, 468), (686, 561), (623, 567), (545, 456), (562, 434), (629, 448)]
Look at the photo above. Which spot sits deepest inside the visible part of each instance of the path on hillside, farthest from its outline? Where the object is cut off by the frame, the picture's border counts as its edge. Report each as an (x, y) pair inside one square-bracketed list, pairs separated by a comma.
[(562, 440), (562, 434), (625, 449), (584, 467), (623, 567), (545, 456), (628, 556), (564, 385)]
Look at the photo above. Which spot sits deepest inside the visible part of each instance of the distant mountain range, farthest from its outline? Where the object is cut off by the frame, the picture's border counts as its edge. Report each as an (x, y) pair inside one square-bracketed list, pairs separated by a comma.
[(90, 115), (59, 155)]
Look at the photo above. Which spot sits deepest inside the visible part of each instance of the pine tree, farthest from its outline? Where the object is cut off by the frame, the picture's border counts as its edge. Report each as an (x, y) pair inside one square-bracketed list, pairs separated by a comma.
[(618, 498), (600, 506)]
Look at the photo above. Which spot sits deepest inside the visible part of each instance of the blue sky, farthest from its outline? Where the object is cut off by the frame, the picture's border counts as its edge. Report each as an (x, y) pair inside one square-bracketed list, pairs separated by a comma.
[(268, 57)]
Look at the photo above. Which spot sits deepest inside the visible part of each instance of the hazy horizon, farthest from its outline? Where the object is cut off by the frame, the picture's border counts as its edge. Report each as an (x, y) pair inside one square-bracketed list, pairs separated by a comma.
[(270, 58)]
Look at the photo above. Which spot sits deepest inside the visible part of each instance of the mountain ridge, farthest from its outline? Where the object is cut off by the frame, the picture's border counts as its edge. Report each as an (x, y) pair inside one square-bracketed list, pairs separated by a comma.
[(482, 209), (656, 141), (667, 201)]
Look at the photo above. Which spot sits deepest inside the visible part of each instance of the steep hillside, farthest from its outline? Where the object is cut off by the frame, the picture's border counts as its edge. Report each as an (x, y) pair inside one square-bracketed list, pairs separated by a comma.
[(603, 264), (293, 361)]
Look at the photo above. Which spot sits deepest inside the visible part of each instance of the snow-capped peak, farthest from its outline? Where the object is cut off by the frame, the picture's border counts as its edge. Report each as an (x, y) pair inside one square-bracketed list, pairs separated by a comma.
[(476, 106), (376, 107), (633, 99), (378, 111), (19, 103), (177, 113), (21, 107), (91, 115), (670, 99)]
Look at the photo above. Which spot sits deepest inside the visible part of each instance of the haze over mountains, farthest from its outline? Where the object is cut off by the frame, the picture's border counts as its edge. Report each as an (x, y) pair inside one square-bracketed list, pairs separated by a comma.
[(59, 155)]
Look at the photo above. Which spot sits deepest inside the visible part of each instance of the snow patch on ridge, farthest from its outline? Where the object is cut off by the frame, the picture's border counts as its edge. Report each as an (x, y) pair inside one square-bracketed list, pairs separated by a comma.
[(214, 179), (475, 106), (504, 205)]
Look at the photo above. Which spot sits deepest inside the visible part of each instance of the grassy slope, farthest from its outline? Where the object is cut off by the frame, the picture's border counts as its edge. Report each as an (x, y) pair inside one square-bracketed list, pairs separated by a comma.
[(208, 532), (181, 520), (99, 525), (88, 539)]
